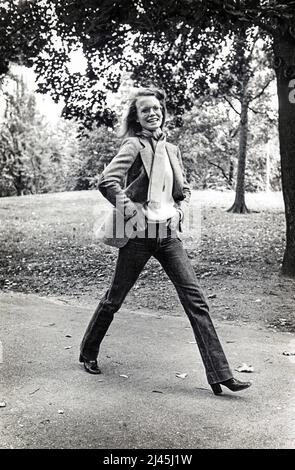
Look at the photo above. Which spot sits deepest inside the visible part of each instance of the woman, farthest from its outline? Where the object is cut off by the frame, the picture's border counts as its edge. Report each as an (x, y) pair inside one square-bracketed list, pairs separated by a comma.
[(153, 203)]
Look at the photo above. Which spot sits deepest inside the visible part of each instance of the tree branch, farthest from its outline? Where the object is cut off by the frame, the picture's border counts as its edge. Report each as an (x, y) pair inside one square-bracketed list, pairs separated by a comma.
[(232, 135), (261, 91), (271, 120), (253, 45), (220, 168), (231, 105), (255, 111)]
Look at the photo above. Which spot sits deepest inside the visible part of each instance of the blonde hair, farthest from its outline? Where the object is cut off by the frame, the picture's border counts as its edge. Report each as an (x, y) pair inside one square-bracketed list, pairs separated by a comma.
[(130, 126)]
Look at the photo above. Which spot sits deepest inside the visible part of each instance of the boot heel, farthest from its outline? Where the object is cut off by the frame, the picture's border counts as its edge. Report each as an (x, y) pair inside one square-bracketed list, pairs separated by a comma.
[(81, 358), (216, 388)]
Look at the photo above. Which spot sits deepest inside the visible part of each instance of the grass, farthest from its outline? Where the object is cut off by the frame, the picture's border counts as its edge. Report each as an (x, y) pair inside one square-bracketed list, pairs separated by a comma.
[(48, 246)]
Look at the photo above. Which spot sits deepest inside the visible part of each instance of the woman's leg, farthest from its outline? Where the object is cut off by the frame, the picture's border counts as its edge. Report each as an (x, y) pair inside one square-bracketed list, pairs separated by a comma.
[(131, 261), (176, 263)]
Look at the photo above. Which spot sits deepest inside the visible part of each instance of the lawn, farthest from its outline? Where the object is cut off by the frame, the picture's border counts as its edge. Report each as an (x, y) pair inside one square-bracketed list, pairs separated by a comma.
[(48, 246)]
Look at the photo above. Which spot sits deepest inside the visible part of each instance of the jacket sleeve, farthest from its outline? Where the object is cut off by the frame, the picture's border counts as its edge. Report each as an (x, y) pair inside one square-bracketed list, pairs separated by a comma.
[(184, 204), (112, 179)]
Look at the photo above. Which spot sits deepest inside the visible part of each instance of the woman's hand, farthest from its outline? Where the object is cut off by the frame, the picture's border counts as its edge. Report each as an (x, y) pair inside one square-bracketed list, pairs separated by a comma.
[(136, 223), (176, 219)]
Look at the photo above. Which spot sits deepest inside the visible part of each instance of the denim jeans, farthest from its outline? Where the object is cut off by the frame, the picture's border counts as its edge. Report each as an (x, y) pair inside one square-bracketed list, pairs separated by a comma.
[(169, 251)]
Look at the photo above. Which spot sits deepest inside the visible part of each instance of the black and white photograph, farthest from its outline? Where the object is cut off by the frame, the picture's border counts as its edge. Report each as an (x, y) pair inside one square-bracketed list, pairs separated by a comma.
[(147, 228)]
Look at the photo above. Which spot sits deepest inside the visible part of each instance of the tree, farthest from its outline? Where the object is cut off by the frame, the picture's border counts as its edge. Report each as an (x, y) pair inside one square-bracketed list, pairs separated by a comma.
[(244, 80), (64, 157), (34, 157), (108, 30), (96, 149), (277, 20), (21, 146), (208, 139), (20, 39)]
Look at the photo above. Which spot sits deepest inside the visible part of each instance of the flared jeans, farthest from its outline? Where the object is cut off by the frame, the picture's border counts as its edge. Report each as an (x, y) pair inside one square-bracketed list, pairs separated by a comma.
[(169, 251)]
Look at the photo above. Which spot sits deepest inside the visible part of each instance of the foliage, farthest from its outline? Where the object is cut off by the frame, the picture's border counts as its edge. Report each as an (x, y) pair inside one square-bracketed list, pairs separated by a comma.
[(64, 157), (24, 26), (96, 149), (34, 157), (208, 140), (173, 43), (54, 159), (21, 146), (207, 144)]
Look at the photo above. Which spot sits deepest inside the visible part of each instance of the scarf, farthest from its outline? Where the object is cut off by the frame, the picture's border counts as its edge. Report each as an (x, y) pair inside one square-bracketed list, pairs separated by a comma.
[(157, 176)]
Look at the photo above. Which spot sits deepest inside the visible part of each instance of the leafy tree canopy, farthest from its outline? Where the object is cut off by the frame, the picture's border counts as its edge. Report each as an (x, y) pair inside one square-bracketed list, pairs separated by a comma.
[(173, 43)]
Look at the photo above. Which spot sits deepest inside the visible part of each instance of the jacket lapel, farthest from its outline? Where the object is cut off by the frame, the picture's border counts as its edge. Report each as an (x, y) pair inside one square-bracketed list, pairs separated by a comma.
[(146, 154)]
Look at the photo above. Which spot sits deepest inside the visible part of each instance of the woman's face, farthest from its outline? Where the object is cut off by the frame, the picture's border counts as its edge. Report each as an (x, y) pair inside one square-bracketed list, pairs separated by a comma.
[(149, 112)]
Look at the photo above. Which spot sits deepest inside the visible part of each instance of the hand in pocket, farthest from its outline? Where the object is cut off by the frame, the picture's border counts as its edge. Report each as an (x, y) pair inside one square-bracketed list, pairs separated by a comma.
[(174, 222)]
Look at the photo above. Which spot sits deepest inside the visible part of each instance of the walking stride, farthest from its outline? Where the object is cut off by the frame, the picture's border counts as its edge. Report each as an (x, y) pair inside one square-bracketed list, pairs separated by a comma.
[(146, 184)]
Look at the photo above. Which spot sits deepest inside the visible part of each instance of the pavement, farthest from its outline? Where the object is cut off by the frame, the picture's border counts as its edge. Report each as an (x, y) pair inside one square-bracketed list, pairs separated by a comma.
[(47, 400)]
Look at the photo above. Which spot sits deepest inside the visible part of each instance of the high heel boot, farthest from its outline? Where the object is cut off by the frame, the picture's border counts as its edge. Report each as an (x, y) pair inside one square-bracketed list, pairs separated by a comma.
[(90, 366), (233, 384)]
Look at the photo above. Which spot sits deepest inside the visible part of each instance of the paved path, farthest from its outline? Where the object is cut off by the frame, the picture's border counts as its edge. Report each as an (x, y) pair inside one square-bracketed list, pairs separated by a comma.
[(52, 403)]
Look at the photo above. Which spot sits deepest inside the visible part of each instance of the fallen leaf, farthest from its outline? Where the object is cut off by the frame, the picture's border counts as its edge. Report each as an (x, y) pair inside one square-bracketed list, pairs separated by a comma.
[(122, 423), (125, 376), (61, 412), (245, 368), (212, 296), (208, 273), (157, 391), (68, 336), (2, 404), (68, 347), (181, 376)]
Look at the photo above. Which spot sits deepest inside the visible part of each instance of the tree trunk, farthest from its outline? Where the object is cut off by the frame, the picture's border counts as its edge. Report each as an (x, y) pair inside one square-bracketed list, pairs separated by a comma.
[(267, 169), (239, 206), (231, 173), (18, 184), (284, 50)]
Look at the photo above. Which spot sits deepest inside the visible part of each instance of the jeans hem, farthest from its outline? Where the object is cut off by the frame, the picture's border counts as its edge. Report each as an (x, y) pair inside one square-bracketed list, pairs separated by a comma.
[(88, 357), (219, 376)]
